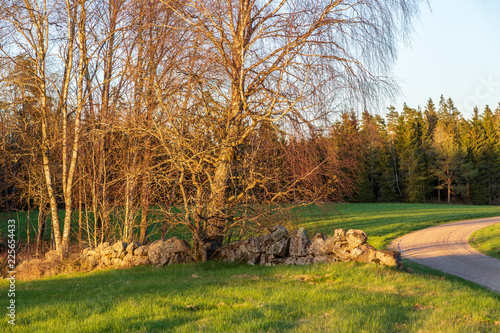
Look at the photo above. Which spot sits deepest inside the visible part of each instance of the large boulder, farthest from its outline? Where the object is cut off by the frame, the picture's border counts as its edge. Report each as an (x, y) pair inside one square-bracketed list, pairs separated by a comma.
[(339, 235), (367, 254), (161, 252), (279, 232), (299, 243), (131, 247), (317, 246), (389, 258), (120, 246), (356, 238), (176, 245), (158, 253), (141, 251), (267, 240), (343, 252), (245, 255), (279, 249), (253, 244), (328, 245), (226, 254)]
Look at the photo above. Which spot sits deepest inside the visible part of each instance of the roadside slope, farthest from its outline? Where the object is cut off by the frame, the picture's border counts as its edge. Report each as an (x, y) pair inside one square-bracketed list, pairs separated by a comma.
[(446, 248)]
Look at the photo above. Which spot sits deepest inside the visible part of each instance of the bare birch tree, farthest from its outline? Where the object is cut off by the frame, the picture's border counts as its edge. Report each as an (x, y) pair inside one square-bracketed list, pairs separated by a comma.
[(256, 62), (32, 26)]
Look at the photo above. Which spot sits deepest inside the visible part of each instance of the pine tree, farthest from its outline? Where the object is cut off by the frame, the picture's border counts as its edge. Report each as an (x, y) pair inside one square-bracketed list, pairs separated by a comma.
[(491, 154), (449, 153), (430, 120), (471, 181), (392, 172), (409, 147)]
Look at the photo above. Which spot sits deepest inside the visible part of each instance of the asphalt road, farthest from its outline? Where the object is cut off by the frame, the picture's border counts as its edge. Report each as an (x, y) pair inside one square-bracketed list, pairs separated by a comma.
[(446, 248)]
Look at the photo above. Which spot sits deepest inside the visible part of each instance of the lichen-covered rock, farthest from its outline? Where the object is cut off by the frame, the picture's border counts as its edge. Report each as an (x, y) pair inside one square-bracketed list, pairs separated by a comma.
[(116, 262), (299, 243), (389, 258), (279, 249), (161, 252), (178, 258), (131, 247), (253, 244), (88, 251), (103, 245), (356, 253), (91, 261), (369, 254), (279, 232), (120, 246), (243, 254), (107, 251), (105, 261), (356, 238), (177, 245), (317, 245), (343, 252), (141, 251), (226, 254), (271, 261), (91, 252), (157, 252), (267, 240), (328, 245), (339, 235), (141, 261)]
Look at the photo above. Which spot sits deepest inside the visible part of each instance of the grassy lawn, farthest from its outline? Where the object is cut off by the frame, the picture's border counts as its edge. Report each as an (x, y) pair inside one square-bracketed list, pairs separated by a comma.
[(215, 297), (487, 240), (385, 222)]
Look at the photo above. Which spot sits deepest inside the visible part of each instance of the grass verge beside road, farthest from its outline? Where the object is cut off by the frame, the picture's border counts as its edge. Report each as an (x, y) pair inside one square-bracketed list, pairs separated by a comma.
[(385, 222), (487, 240)]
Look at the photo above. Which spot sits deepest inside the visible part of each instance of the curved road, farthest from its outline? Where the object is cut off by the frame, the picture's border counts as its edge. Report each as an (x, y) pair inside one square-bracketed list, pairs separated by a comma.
[(446, 248)]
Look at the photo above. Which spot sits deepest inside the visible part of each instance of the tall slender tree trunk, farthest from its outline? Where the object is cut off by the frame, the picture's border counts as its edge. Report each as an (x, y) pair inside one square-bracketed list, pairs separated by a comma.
[(145, 191), (42, 219)]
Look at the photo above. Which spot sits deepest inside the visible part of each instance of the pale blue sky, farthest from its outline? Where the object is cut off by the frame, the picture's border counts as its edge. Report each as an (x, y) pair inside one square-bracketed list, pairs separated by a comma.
[(455, 51)]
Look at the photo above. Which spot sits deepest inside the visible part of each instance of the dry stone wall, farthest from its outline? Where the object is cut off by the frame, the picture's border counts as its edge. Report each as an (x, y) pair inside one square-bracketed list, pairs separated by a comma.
[(279, 248), (276, 248)]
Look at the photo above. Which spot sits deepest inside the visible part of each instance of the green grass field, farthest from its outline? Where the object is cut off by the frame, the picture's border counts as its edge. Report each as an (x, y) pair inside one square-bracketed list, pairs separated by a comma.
[(487, 240), (222, 297)]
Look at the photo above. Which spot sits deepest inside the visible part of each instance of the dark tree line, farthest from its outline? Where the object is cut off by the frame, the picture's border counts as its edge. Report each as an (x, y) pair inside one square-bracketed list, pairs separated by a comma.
[(432, 154)]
